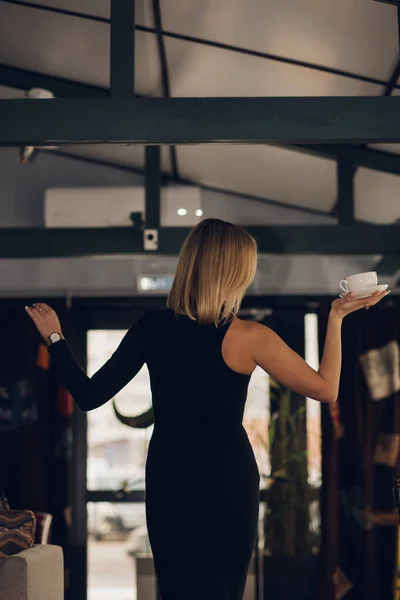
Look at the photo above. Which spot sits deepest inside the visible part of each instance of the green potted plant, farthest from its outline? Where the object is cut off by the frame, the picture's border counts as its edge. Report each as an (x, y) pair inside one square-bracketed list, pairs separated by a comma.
[(291, 531)]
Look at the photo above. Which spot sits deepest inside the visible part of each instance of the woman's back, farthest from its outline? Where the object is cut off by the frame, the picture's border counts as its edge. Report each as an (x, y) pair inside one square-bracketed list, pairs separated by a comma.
[(202, 480), (190, 380)]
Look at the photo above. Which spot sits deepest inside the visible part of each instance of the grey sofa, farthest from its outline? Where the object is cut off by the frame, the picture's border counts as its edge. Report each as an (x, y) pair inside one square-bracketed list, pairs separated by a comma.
[(34, 574)]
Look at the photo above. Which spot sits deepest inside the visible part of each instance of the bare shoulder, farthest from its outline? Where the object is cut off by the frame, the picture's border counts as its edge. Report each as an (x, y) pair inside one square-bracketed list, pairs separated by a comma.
[(251, 335), (237, 348), (242, 326), (252, 329)]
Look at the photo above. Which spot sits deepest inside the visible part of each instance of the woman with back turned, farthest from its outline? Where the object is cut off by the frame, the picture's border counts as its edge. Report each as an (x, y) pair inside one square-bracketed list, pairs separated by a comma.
[(202, 481)]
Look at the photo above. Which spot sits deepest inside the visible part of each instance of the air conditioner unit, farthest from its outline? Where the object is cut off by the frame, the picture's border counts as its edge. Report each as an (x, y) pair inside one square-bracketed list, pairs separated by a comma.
[(112, 206)]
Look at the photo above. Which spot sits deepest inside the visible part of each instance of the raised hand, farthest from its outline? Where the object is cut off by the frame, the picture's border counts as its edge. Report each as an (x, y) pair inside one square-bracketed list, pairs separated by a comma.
[(346, 305), (45, 319)]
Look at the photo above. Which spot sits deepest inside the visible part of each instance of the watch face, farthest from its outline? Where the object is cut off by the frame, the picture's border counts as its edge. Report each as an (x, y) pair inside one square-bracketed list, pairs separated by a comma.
[(55, 337)]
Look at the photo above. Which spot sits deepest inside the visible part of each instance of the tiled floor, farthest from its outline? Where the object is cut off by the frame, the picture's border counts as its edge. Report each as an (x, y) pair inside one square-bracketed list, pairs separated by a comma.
[(111, 572), (110, 593)]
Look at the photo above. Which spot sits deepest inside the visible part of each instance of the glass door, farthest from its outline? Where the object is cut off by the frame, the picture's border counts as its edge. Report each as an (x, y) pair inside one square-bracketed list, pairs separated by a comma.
[(116, 457)]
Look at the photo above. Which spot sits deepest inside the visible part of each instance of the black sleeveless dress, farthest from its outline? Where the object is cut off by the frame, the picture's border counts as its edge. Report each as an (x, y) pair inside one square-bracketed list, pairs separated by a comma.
[(202, 480)]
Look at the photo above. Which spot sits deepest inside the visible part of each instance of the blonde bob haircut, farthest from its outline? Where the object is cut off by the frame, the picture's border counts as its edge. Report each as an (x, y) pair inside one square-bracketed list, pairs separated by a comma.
[(217, 263)]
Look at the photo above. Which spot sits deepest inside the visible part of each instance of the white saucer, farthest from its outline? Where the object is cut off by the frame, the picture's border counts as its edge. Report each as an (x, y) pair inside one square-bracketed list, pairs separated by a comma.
[(367, 292)]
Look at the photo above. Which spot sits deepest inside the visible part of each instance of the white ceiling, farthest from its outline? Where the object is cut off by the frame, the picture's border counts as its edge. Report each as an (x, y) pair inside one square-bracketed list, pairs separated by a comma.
[(357, 36), (377, 197), (128, 156), (198, 70), (101, 8), (262, 171), (71, 47), (353, 35)]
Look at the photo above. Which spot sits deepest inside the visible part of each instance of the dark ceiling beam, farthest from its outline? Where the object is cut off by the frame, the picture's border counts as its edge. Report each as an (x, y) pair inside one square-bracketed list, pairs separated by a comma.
[(378, 160), (200, 120), (153, 187), (64, 88), (210, 43), (387, 92), (392, 83), (23, 79), (122, 49), (162, 54), (388, 265), (58, 11), (345, 192), (29, 242)]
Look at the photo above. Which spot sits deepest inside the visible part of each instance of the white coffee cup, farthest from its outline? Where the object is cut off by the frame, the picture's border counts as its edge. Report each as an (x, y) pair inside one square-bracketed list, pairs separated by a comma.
[(354, 283)]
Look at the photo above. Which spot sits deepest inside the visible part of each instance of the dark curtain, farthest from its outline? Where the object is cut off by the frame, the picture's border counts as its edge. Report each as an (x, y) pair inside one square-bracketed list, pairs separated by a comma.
[(36, 442), (360, 457)]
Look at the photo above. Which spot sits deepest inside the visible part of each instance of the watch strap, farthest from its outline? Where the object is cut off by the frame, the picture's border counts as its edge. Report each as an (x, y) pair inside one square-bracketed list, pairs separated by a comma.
[(49, 341)]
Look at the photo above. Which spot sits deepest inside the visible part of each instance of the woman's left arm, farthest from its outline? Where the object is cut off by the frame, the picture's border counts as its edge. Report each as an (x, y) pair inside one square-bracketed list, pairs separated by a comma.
[(91, 392)]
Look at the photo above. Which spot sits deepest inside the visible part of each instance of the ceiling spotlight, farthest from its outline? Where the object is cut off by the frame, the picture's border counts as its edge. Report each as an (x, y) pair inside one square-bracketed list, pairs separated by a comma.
[(199, 212), (182, 212)]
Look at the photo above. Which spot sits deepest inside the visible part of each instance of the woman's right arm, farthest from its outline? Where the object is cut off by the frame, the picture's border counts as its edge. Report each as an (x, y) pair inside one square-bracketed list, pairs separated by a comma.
[(273, 355)]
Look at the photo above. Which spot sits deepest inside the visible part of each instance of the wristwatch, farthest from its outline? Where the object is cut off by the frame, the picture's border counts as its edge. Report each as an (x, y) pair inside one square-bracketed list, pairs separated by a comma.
[(53, 337)]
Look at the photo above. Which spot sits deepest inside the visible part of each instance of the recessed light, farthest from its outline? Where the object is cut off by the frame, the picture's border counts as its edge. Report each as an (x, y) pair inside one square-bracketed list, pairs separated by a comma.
[(182, 212), (199, 212)]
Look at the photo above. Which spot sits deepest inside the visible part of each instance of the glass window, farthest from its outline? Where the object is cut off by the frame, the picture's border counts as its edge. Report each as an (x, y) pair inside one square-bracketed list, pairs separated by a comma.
[(256, 419), (313, 412), (313, 407), (116, 456), (117, 536), (116, 452)]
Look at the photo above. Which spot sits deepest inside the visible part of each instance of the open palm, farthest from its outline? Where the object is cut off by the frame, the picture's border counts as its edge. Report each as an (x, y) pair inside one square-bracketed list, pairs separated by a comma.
[(348, 304)]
